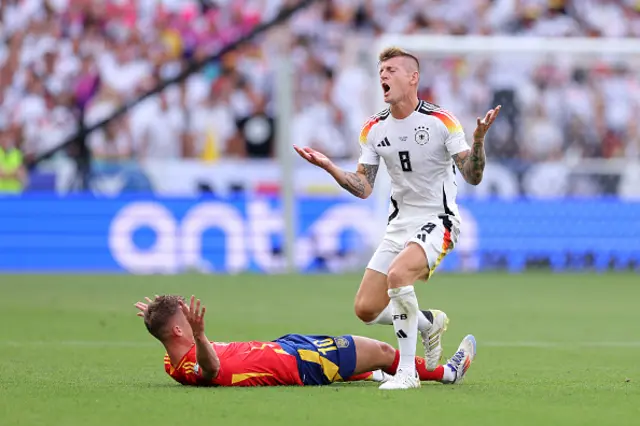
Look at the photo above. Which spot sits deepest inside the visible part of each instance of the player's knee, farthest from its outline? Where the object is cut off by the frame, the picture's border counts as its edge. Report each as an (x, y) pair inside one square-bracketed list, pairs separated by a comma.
[(396, 277), (365, 312), (387, 349), (388, 352)]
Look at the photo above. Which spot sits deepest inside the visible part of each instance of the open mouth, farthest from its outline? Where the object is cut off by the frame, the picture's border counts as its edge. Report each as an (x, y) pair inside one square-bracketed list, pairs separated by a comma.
[(385, 88)]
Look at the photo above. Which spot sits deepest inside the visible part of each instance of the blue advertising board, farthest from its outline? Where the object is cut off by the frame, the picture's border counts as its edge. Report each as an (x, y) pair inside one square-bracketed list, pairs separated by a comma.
[(83, 233)]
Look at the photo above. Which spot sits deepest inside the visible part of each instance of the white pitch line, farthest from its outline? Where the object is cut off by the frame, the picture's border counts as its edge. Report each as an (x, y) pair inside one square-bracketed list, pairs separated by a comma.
[(560, 345), (79, 343), (151, 344)]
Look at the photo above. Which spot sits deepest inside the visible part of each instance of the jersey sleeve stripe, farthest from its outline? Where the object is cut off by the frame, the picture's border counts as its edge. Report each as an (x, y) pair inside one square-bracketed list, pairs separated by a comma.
[(367, 128), (381, 116), (450, 115), (452, 124)]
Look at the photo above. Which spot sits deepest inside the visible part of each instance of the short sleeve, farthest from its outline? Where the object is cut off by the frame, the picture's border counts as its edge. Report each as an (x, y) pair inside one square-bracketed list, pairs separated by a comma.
[(192, 374), (454, 138), (455, 142), (188, 371), (368, 154)]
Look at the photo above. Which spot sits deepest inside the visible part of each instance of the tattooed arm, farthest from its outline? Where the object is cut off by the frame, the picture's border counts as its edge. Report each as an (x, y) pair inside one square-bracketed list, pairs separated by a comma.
[(471, 163), (359, 183)]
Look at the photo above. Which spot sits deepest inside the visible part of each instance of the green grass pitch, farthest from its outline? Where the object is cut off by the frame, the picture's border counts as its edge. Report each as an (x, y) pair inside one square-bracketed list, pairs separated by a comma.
[(552, 350)]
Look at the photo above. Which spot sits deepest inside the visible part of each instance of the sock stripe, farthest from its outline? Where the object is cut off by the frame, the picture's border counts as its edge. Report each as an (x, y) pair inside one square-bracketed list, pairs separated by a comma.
[(428, 315)]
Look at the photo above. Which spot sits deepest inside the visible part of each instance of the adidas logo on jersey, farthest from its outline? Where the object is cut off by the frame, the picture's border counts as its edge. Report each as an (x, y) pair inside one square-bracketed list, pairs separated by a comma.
[(385, 142)]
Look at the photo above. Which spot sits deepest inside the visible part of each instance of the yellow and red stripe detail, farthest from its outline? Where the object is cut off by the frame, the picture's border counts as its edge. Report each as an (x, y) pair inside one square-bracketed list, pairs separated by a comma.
[(188, 367), (237, 378), (452, 123), (367, 128), (264, 346), (446, 247)]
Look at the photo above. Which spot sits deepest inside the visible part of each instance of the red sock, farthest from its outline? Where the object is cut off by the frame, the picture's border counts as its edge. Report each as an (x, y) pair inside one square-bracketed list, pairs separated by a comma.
[(421, 368), (425, 375), (394, 366)]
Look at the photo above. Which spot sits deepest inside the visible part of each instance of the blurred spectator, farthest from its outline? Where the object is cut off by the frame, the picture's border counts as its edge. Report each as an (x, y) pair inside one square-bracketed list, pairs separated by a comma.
[(13, 174), (256, 127), (163, 130), (66, 62), (544, 139), (113, 143), (213, 127)]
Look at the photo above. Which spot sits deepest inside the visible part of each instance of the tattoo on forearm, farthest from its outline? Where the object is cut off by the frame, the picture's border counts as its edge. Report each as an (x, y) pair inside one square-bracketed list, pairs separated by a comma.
[(471, 163), (477, 162), (461, 162), (370, 172), (354, 184)]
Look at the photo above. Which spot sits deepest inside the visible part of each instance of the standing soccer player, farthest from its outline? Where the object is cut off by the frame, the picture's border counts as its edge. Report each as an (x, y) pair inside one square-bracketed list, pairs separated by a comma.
[(419, 143)]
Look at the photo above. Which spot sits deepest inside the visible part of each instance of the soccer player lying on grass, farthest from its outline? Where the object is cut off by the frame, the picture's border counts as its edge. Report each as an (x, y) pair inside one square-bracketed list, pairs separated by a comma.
[(294, 359)]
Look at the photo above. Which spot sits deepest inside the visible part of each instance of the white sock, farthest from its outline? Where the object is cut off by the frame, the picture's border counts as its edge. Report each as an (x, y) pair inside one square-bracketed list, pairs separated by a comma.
[(449, 375), (378, 376), (385, 319), (404, 309)]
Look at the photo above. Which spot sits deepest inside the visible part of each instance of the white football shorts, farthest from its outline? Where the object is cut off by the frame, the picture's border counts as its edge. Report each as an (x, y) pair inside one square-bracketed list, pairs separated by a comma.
[(437, 235)]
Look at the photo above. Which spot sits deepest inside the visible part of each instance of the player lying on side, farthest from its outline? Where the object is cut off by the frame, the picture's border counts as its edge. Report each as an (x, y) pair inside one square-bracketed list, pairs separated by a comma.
[(294, 359)]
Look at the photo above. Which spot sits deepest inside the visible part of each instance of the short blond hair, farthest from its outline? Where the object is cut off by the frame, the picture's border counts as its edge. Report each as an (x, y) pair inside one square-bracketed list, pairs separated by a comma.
[(397, 52)]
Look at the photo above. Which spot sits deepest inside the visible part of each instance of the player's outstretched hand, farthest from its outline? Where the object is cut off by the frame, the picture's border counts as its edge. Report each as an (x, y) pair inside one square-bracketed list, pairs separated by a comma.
[(314, 157), (142, 307), (484, 124), (195, 315)]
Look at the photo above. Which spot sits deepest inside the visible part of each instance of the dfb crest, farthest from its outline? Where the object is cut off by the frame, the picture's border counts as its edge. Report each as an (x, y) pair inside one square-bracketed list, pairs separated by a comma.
[(422, 135)]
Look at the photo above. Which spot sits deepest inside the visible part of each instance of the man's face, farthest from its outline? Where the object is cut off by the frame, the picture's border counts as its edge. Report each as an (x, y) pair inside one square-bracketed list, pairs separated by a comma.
[(398, 78)]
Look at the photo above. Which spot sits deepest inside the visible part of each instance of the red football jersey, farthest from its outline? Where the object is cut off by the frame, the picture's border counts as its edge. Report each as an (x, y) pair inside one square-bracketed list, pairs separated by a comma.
[(241, 364)]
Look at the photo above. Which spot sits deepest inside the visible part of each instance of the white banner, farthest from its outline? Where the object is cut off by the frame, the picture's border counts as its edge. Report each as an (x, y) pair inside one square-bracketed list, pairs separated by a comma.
[(192, 177)]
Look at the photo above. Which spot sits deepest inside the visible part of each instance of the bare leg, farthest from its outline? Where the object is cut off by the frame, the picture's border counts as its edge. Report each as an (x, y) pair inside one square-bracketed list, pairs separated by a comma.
[(372, 297), (374, 355)]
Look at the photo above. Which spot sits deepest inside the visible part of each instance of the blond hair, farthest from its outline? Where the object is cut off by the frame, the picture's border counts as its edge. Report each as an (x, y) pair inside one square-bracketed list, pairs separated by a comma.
[(397, 52)]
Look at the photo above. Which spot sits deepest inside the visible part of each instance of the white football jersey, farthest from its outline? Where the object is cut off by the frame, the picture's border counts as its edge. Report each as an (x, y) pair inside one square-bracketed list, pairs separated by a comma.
[(418, 154)]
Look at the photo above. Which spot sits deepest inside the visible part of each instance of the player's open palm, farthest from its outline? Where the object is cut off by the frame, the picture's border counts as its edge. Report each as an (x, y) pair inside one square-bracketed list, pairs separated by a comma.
[(142, 307), (194, 315), (484, 124), (314, 157)]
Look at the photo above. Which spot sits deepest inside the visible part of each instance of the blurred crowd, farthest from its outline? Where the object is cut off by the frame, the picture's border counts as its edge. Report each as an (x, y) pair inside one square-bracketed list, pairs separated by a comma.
[(67, 62)]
